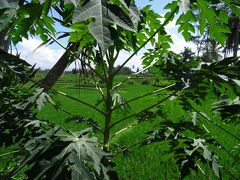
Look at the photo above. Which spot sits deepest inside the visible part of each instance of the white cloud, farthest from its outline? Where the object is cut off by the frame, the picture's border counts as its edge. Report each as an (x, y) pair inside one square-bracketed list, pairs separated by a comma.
[(135, 61), (171, 25), (44, 57), (179, 43)]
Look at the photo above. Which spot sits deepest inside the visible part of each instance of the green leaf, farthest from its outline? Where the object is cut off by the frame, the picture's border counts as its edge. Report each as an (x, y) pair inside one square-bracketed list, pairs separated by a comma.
[(185, 21), (206, 153), (84, 149), (104, 15), (202, 23), (1, 73), (8, 4), (218, 24), (58, 154), (194, 118), (6, 18), (187, 36), (44, 37), (39, 98), (224, 17), (216, 167), (8, 11), (236, 10), (171, 5), (132, 9), (75, 2), (42, 99), (27, 15), (34, 123)]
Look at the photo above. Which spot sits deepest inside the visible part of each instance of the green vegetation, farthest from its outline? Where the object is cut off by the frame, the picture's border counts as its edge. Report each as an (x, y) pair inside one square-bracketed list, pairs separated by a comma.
[(177, 119), (152, 161)]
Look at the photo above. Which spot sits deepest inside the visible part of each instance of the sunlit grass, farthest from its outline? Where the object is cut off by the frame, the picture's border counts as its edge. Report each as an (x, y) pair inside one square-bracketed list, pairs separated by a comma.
[(147, 162)]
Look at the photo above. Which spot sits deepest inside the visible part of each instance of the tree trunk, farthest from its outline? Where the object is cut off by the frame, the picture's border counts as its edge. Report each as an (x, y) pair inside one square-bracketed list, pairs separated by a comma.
[(236, 43), (108, 116), (109, 76), (4, 41), (57, 70)]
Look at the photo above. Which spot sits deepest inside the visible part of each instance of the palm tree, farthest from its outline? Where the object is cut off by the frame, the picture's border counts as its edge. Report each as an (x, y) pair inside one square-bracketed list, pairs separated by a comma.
[(211, 51), (187, 54), (208, 49), (233, 40)]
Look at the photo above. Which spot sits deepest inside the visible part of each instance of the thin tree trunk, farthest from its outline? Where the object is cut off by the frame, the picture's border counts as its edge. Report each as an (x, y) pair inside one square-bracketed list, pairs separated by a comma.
[(57, 70), (108, 116), (236, 43), (4, 41), (109, 75)]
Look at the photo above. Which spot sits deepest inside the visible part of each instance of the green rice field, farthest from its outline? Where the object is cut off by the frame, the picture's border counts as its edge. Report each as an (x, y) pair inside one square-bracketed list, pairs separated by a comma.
[(147, 162)]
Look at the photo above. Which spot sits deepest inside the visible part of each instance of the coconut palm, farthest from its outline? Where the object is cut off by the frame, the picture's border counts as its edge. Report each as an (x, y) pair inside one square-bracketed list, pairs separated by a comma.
[(187, 54), (233, 41), (211, 51)]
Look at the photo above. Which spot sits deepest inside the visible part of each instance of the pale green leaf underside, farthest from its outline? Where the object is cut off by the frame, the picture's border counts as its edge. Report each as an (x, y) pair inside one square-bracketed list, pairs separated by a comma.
[(8, 4), (83, 149), (103, 17)]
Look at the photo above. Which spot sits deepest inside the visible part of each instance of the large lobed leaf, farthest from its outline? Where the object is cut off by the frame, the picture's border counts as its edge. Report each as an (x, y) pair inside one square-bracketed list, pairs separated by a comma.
[(83, 149), (64, 155), (8, 4), (7, 12), (187, 150), (104, 16)]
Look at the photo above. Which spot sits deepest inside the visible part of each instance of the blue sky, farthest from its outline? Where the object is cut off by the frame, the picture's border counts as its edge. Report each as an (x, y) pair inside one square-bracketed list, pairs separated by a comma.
[(46, 57), (157, 5)]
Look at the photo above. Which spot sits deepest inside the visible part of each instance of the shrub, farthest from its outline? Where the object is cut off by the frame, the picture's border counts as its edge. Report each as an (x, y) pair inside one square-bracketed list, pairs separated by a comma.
[(145, 82), (130, 82)]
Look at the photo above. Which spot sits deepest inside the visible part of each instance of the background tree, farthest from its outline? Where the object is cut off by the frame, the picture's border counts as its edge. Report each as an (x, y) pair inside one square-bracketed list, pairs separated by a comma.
[(207, 48), (210, 51), (233, 41), (4, 41), (187, 54), (124, 70)]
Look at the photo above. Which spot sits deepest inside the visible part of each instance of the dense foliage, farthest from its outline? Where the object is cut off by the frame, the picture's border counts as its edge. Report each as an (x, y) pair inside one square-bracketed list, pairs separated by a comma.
[(47, 148), (98, 31)]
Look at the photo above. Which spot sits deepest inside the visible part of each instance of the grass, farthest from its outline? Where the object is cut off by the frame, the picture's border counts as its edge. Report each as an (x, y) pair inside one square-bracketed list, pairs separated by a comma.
[(148, 162), (126, 138)]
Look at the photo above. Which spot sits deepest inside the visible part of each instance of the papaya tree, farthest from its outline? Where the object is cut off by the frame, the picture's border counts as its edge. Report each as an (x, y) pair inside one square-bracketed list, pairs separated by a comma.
[(98, 31)]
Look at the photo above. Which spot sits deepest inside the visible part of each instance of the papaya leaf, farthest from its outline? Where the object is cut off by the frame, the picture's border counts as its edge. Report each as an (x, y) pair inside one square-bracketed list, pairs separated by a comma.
[(104, 16), (8, 11), (8, 4), (75, 2), (6, 18), (194, 118), (235, 10), (216, 168), (132, 8), (69, 154)]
